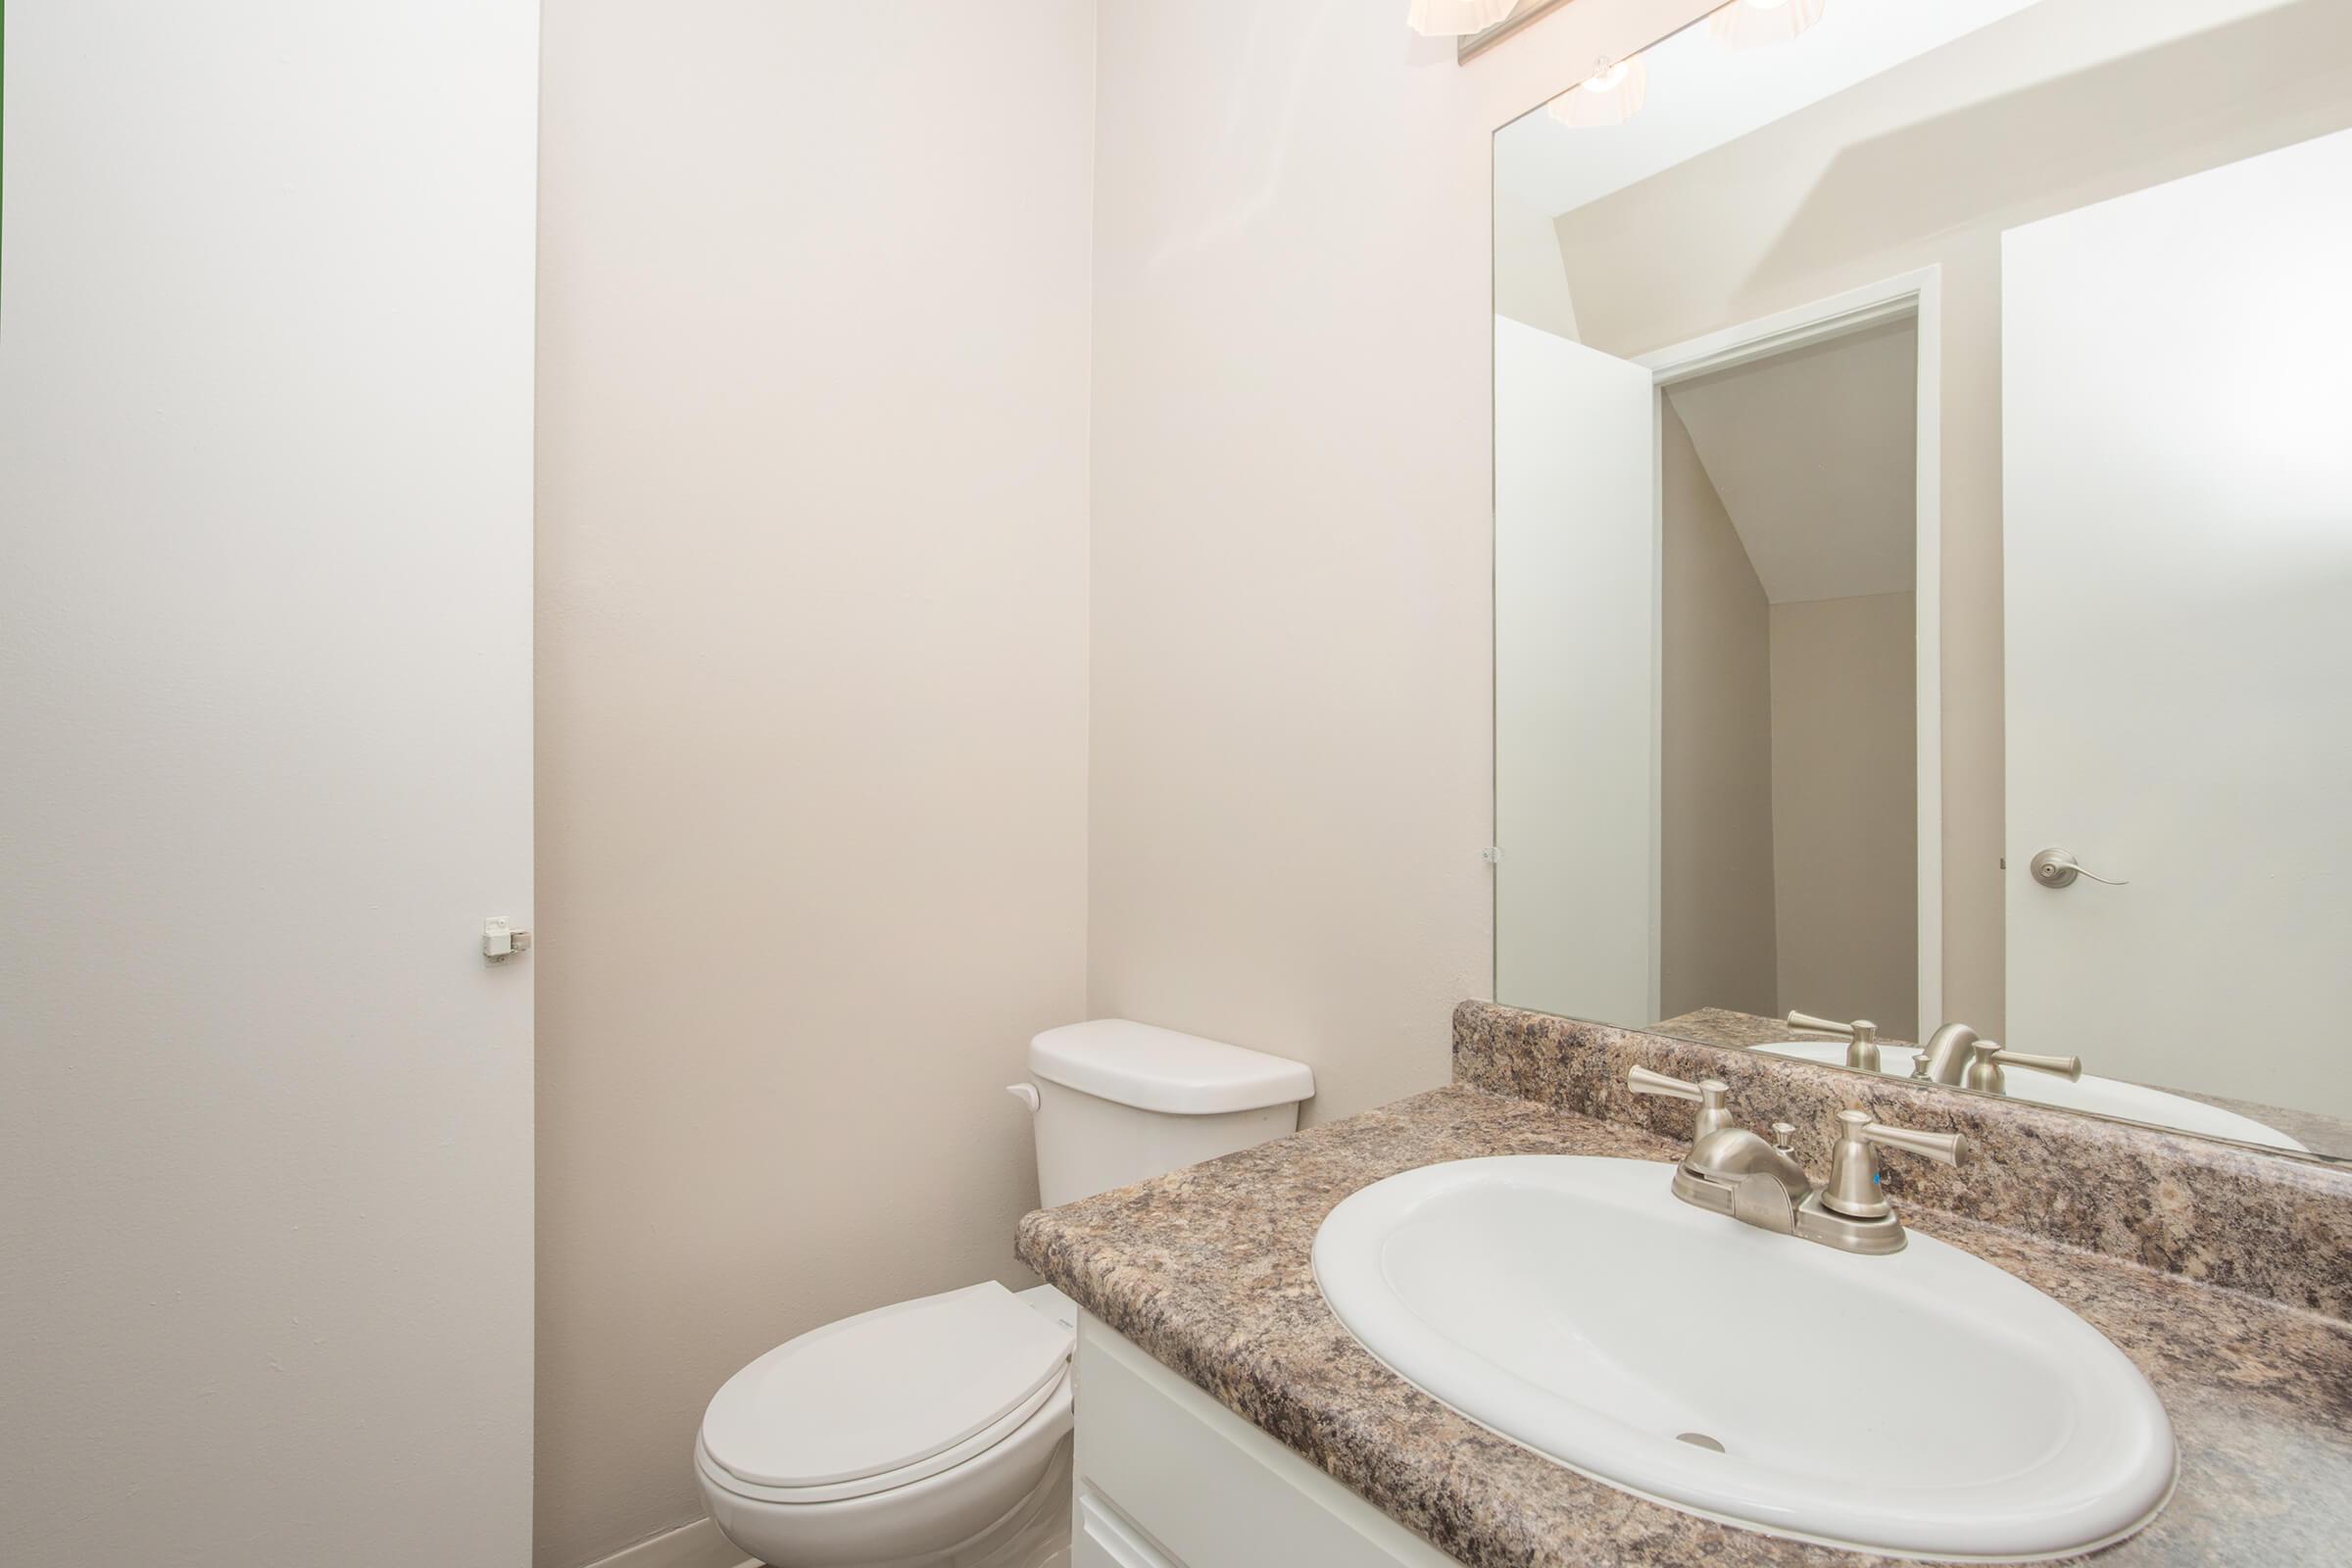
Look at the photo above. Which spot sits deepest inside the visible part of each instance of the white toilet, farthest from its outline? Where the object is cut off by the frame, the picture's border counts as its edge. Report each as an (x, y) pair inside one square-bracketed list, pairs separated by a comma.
[(935, 1431)]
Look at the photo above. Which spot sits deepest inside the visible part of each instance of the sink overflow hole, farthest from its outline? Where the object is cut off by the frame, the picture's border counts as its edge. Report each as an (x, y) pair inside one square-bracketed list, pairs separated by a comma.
[(1698, 1440)]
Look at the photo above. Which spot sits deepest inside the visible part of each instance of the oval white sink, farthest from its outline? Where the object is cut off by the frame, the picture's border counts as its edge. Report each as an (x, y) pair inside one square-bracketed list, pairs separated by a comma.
[(1920, 1404), (2107, 1097)]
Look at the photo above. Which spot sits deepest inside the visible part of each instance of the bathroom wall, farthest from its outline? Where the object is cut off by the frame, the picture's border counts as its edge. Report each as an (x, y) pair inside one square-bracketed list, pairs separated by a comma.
[(265, 769), (1291, 745), (813, 712), (1827, 199), (1845, 808), (1718, 946)]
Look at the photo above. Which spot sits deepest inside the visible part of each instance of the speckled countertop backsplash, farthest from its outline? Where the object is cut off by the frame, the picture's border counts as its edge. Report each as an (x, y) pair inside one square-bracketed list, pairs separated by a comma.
[(2272, 1227)]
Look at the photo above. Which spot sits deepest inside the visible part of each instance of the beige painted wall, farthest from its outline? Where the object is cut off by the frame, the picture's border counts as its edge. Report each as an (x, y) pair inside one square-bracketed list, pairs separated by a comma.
[(1717, 945), (813, 655), (1845, 808), (1291, 750), (2102, 97), (814, 648)]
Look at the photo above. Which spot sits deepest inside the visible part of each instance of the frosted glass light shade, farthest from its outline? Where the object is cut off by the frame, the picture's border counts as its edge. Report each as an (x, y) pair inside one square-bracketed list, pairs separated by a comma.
[(1757, 23), (1610, 96), (1454, 19)]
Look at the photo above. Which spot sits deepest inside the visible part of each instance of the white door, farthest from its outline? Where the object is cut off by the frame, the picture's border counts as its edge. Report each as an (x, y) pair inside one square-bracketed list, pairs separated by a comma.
[(2177, 386), (1576, 637), (266, 391)]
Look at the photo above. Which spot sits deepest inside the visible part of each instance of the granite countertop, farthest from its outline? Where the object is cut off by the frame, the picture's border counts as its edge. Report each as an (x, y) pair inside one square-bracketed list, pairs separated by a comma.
[(1209, 1270)]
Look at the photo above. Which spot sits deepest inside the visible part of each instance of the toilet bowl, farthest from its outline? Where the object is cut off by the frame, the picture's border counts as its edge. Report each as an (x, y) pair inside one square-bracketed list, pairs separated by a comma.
[(936, 1433), (932, 1432)]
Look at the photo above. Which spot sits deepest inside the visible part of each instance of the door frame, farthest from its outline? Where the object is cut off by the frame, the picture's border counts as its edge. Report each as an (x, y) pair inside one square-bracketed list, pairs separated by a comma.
[(1917, 296)]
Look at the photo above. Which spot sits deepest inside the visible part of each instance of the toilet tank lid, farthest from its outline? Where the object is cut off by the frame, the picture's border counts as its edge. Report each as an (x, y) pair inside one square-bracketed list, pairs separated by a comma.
[(1158, 1069)]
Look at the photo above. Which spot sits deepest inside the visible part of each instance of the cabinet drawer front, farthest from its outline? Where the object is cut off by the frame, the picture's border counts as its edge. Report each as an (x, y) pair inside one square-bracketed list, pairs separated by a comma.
[(1178, 1480)]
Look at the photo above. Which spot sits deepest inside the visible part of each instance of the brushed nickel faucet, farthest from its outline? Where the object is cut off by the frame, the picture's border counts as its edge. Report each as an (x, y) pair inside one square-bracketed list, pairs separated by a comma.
[(1956, 1056), (1945, 1057), (1861, 1037), (1735, 1173), (1987, 1059)]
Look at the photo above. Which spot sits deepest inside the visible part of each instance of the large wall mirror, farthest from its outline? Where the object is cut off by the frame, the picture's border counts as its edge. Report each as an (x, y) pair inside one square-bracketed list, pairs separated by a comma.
[(1922, 489)]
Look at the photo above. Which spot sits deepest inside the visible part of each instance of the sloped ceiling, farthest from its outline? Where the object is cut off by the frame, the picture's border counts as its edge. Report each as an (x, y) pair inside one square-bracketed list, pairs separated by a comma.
[(1813, 455), (1702, 95)]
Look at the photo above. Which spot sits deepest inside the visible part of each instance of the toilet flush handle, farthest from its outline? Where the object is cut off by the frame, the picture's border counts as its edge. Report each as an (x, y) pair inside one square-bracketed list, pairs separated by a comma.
[(1026, 1093)]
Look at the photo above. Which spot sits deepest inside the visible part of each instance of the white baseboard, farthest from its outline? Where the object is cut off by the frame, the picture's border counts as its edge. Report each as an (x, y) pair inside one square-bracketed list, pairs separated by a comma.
[(695, 1545)]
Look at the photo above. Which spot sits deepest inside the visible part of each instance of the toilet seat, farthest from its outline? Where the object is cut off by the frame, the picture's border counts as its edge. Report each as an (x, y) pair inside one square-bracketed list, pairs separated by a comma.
[(930, 1434), (885, 1399), (1045, 1400), (1003, 1508)]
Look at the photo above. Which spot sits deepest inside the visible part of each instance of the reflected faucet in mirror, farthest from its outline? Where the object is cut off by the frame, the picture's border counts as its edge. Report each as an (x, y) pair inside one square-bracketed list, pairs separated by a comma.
[(1956, 1056), (1987, 1059), (1861, 1034)]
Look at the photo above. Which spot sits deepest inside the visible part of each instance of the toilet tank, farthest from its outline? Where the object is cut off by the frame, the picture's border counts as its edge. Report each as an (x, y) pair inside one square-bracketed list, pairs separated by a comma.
[(1117, 1101)]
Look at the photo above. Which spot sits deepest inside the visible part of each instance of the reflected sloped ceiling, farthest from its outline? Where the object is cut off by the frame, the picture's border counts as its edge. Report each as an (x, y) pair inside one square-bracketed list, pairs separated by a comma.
[(1813, 455)]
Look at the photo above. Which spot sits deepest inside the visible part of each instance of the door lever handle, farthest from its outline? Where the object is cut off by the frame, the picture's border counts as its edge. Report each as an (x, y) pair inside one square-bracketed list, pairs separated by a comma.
[(2057, 868)]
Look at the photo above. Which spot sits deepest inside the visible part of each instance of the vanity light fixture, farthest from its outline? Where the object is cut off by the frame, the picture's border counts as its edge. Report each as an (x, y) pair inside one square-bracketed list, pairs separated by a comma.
[(1757, 23), (1612, 95), (1458, 18)]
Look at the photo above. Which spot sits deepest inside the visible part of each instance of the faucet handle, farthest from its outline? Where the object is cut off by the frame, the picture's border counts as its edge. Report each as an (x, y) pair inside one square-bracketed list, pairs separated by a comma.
[(1806, 1023), (1853, 1187), (1987, 1057), (1862, 1050), (1645, 1082), (1710, 1092)]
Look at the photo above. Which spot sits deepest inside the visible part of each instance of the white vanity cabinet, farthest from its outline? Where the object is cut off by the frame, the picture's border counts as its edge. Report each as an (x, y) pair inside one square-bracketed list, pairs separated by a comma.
[(1168, 1478)]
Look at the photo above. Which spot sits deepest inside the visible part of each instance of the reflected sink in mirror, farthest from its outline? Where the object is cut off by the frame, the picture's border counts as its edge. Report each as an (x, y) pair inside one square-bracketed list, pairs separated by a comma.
[(2104, 1097), (1925, 1403)]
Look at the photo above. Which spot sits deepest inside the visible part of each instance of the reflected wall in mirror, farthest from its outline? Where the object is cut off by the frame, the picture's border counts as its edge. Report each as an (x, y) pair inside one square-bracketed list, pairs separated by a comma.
[(1923, 550)]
